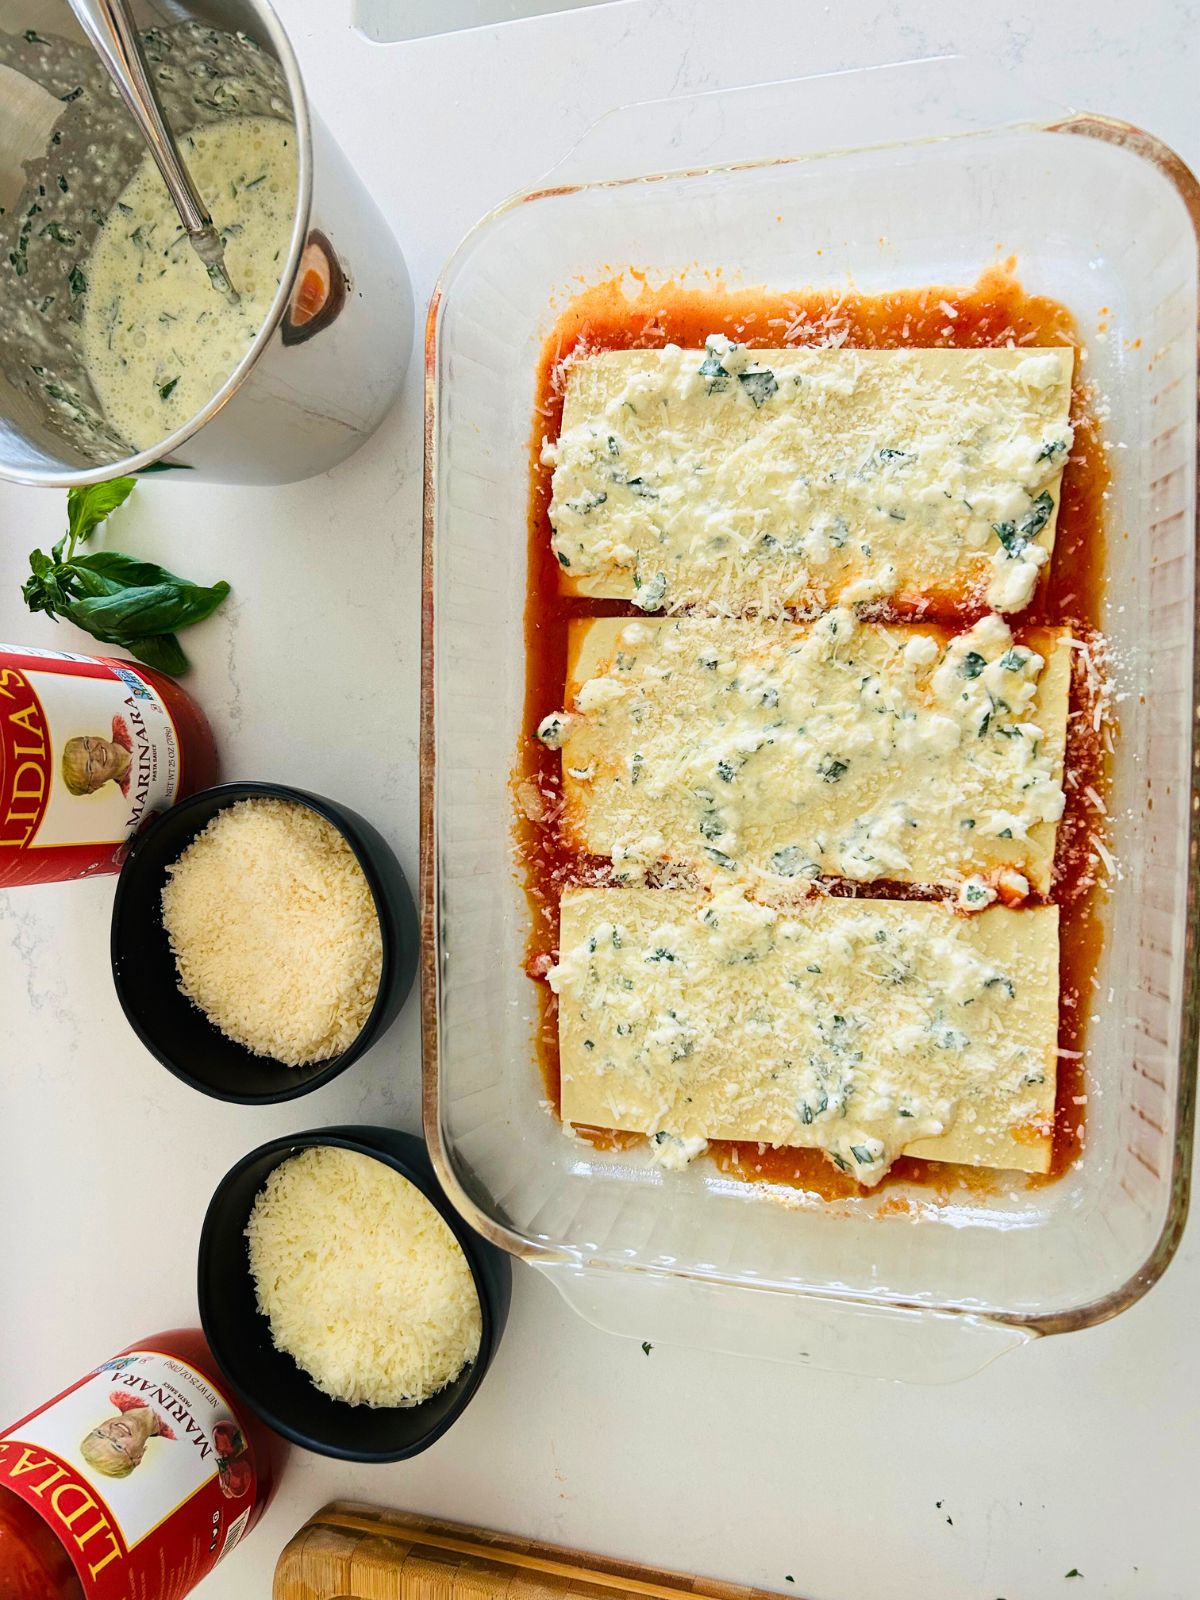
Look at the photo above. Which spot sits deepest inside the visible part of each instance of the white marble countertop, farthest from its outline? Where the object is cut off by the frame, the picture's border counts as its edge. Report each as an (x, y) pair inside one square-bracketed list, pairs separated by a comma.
[(1078, 1452)]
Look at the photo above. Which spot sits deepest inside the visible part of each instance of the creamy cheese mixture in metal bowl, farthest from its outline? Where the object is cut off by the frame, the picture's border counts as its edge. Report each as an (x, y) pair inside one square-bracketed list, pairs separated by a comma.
[(112, 330), (116, 350)]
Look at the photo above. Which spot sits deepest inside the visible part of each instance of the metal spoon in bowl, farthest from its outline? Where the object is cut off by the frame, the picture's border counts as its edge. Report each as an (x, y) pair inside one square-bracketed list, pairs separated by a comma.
[(111, 30)]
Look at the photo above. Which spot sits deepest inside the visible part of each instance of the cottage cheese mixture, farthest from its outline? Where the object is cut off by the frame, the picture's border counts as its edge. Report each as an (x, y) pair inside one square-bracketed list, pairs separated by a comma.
[(748, 480), (158, 340), (799, 835), (776, 753), (863, 1028)]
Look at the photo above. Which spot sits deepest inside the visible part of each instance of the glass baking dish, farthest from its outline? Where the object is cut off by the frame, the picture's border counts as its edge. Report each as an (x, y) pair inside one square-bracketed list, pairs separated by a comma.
[(1100, 216)]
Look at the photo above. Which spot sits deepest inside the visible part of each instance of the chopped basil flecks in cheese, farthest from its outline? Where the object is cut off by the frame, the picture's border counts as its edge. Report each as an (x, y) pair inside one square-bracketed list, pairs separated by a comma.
[(863, 1028), (669, 1151), (837, 748), (750, 480), (974, 894), (552, 730)]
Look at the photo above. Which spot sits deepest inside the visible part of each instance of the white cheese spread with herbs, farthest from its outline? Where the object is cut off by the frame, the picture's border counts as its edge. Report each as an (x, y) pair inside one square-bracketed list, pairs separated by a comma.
[(750, 480), (158, 339), (775, 754), (864, 1028)]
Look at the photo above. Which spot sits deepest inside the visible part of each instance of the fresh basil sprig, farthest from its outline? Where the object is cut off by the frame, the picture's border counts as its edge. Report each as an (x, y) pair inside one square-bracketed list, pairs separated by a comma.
[(118, 599)]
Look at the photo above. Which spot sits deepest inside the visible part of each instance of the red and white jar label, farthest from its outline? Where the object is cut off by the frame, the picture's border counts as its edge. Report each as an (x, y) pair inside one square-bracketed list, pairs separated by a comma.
[(141, 1470), (88, 753)]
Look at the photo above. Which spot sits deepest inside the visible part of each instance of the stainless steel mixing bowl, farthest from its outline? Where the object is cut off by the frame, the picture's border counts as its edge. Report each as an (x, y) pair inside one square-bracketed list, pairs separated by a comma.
[(306, 392)]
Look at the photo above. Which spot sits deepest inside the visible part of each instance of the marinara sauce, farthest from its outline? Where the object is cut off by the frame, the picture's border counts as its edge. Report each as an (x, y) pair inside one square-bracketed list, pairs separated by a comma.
[(90, 749), (134, 1482), (995, 311)]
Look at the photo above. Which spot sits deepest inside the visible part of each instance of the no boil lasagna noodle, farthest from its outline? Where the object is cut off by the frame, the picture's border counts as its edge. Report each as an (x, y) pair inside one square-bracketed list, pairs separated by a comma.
[(737, 756), (864, 1027), (826, 749), (748, 480)]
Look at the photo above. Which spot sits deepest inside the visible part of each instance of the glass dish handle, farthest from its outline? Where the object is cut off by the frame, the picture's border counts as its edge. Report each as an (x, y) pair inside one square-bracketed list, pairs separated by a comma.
[(877, 1341), (931, 98)]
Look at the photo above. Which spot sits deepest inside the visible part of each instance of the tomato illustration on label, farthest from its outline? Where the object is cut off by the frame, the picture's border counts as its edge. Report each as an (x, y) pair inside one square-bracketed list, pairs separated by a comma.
[(235, 1478), (228, 1441), (234, 1475)]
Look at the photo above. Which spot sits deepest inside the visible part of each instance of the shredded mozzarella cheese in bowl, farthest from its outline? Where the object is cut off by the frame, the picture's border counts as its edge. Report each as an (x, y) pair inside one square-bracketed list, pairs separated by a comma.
[(361, 1279)]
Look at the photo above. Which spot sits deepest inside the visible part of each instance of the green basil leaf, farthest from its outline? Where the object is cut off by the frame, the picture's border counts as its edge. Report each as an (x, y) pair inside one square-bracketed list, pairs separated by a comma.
[(88, 508), (37, 594), (88, 624), (760, 385), (126, 572), (84, 583), (144, 609), (127, 613), (195, 602), (118, 599), (162, 651), (44, 590)]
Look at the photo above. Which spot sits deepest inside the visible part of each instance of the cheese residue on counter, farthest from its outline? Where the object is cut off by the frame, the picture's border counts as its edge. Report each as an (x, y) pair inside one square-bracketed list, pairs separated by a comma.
[(274, 931), (750, 480), (783, 752), (865, 1028), (363, 1282)]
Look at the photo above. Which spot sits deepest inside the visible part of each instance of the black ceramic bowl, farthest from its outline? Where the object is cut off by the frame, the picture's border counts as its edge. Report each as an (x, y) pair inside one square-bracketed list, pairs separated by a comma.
[(271, 1382), (169, 1025)]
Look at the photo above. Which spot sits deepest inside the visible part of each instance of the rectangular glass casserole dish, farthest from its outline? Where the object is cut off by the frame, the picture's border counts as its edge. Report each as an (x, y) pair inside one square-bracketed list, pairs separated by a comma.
[(1099, 216)]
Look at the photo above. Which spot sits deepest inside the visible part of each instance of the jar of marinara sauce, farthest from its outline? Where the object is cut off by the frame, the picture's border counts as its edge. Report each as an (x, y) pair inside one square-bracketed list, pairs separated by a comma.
[(133, 1483), (90, 749)]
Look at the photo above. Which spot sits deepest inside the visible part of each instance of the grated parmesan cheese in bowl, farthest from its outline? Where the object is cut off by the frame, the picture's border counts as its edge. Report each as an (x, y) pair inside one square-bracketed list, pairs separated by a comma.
[(362, 1281), (275, 931), (255, 927)]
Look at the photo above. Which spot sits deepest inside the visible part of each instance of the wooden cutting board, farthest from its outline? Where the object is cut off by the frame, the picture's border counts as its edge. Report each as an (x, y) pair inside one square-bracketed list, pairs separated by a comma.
[(357, 1552)]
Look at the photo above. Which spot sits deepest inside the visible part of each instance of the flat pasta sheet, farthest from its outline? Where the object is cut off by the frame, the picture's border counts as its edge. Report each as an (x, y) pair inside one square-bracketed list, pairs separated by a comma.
[(775, 752), (751, 480), (866, 1028)]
